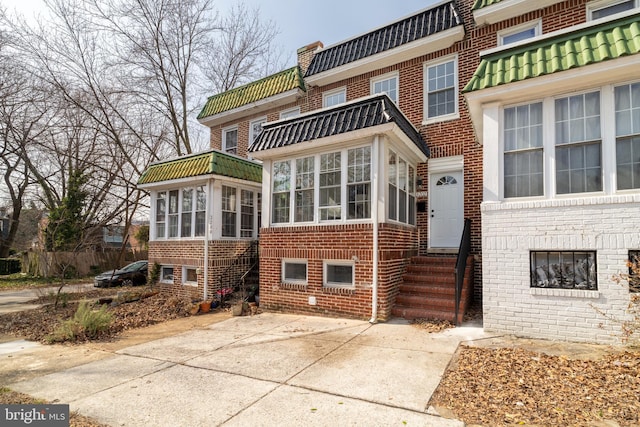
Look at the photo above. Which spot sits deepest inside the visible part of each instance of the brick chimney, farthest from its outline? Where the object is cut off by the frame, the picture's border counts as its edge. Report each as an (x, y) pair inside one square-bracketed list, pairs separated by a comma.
[(305, 55)]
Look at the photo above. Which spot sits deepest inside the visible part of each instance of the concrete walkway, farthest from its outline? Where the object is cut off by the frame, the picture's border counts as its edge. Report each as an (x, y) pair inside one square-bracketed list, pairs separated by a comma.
[(266, 370)]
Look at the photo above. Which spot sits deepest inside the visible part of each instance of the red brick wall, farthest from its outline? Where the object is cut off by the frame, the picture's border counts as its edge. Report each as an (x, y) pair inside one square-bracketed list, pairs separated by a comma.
[(340, 242), (181, 253), (450, 138)]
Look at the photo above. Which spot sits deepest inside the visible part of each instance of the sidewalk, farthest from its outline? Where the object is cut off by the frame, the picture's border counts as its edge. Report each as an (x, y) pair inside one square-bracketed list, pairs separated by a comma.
[(270, 369)]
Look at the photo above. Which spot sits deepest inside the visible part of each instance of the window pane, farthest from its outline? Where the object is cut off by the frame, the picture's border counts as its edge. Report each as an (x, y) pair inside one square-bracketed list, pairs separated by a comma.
[(295, 271), (628, 163), (339, 274), (281, 207)]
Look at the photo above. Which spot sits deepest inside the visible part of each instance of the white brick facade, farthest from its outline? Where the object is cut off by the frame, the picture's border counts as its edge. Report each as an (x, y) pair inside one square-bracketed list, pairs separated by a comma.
[(608, 225)]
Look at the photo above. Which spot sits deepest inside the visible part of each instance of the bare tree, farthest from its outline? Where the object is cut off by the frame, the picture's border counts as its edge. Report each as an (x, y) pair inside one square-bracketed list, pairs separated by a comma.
[(244, 50)]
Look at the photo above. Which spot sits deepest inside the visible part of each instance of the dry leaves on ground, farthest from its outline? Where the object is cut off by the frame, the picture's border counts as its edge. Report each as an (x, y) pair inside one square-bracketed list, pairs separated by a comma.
[(514, 386), (39, 323), (432, 326)]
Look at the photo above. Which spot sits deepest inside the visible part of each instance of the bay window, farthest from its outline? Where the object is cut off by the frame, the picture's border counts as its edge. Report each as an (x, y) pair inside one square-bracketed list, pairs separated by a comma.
[(340, 187)]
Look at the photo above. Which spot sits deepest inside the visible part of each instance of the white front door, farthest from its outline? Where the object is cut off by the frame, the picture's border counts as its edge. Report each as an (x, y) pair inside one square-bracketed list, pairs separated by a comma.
[(446, 209)]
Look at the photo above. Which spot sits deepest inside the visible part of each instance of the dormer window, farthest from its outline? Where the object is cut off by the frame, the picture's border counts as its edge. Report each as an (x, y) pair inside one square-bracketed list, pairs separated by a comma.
[(334, 97)]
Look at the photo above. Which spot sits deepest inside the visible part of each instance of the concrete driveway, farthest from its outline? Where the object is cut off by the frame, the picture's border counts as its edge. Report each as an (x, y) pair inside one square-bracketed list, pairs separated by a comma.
[(266, 370)]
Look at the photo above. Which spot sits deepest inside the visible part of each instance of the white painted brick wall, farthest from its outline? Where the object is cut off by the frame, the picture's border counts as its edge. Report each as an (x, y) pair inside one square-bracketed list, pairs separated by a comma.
[(610, 225)]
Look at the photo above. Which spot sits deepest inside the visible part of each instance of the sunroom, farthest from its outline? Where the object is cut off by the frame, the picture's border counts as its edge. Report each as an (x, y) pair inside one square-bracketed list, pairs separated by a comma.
[(339, 217), (204, 206)]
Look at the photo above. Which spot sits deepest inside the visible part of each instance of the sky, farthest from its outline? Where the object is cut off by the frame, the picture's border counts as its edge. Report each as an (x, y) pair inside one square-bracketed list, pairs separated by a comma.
[(302, 22)]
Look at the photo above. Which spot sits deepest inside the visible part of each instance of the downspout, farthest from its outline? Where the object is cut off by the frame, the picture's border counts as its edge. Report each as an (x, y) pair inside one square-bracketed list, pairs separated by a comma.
[(374, 216), (206, 242)]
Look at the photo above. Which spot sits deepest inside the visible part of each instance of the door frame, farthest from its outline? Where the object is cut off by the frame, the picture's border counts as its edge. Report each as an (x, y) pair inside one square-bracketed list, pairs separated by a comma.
[(438, 167)]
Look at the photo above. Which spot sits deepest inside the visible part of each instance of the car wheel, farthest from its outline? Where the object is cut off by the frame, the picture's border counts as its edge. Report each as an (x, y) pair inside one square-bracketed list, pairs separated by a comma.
[(127, 282)]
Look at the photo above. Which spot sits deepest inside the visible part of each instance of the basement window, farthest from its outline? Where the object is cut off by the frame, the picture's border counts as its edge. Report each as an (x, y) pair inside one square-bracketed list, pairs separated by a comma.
[(166, 274), (294, 271), (634, 271), (339, 274), (189, 276), (564, 270)]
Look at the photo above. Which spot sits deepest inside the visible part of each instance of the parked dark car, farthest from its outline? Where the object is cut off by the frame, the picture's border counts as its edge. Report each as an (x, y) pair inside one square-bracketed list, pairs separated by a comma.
[(133, 274)]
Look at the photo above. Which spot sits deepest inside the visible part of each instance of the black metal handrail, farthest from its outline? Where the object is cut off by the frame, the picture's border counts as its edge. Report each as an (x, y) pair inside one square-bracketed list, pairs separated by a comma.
[(461, 263), (233, 276)]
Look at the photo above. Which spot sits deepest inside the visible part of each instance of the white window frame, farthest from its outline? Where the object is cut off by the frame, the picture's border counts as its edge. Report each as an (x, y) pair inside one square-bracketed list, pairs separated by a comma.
[(286, 261), (425, 77), (179, 214), (331, 93), (340, 263), (289, 113), (389, 76), (186, 282), (252, 134), (394, 185), (344, 188), (224, 139), (535, 25), (597, 5), (162, 277)]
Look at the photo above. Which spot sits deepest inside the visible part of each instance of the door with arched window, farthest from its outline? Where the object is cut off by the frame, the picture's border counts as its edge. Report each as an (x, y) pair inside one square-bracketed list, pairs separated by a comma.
[(446, 209)]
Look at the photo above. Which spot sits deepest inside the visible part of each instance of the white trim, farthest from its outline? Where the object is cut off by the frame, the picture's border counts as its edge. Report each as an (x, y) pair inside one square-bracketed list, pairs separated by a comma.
[(350, 263), (186, 282), (415, 49), (223, 144), (284, 113), (509, 9), (285, 261), (284, 98), (536, 25), (331, 93), (260, 120), (388, 76), (597, 5), (446, 164), (456, 93)]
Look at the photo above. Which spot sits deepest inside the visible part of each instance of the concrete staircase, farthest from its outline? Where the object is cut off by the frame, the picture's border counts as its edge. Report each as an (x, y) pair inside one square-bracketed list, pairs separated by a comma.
[(428, 289)]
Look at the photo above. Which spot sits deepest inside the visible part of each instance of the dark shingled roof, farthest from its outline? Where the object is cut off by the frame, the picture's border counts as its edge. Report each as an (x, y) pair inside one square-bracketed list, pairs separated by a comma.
[(415, 27), (368, 112)]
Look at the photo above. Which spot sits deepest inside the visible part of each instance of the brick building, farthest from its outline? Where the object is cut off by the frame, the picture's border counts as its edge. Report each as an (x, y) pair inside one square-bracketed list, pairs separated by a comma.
[(371, 162)]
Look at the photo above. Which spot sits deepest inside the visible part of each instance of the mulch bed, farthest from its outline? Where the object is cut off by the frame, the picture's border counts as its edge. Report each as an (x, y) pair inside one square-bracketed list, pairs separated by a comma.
[(510, 386)]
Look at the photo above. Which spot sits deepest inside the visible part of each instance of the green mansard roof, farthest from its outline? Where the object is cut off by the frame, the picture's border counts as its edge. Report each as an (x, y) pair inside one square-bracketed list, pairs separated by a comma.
[(479, 4), (275, 84), (610, 40), (207, 163)]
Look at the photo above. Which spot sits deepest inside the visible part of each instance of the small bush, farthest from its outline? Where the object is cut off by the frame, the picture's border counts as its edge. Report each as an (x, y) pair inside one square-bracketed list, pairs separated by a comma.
[(86, 323)]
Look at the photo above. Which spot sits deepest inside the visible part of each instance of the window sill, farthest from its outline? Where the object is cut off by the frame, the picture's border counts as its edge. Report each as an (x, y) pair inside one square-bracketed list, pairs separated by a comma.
[(192, 284), (166, 282), (569, 293), (294, 286), (338, 290), (443, 118)]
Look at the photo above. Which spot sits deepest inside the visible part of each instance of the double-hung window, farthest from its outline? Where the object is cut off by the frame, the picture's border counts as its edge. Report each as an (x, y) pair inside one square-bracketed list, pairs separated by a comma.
[(402, 198), (359, 183), (281, 191), (201, 211), (230, 140), (340, 187), (246, 210), (229, 211), (304, 189), (173, 213), (334, 97), (578, 144), (330, 205), (441, 90), (180, 213), (161, 212), (627, 108), (523, 152), (386, 84), (255, 129), (187, 212)]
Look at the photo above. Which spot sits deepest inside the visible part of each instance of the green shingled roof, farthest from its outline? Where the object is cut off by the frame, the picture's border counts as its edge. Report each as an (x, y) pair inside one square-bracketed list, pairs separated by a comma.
[(260, 89), (208, 163), (479, 4), (588, 46)]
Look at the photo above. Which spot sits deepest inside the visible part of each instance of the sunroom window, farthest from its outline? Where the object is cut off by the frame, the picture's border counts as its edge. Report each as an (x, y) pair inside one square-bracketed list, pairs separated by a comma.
[(304, 190), (229, 210), (402, 198), (330, 205), (359, 183), (185, 213), (523, 153), (627, 106), (281, 191), (578, 144)]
